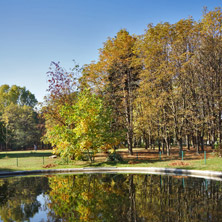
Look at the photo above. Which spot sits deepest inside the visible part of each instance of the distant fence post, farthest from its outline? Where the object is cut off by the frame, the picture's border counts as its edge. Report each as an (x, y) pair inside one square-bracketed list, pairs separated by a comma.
[(182, 154), (43, 160), (205, 157), (160, 155)]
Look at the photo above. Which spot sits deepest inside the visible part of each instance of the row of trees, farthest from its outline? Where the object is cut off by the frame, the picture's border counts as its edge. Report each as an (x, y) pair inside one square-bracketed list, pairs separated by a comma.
[(165, 85), (180, 85)]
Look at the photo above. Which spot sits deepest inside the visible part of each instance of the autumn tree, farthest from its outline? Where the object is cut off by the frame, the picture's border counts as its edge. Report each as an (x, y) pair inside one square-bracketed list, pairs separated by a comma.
[(207, 69), (155, 89), (77, 122), (62, 91), (115, 76)]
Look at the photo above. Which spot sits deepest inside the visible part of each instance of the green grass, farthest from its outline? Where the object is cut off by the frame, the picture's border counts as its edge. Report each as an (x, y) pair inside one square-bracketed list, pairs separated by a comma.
[(33, 160), (24, 160), (214, 164)]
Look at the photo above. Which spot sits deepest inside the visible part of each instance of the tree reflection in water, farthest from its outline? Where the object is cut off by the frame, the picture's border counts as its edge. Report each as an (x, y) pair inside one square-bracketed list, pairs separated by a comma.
[(18, 197), (111, 197)]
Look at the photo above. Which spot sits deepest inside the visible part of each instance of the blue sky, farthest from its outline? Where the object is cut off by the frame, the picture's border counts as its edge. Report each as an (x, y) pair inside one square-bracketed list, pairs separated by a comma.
[(36, 32)]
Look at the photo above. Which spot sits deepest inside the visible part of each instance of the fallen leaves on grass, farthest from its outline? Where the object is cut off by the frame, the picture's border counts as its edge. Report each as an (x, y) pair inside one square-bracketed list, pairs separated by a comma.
[(49, 165), (179, 163), (133, 162), (180, 177)]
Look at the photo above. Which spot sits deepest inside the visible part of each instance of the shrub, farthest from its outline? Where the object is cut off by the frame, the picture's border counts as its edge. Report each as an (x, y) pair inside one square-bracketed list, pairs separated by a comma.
[(114, 157)]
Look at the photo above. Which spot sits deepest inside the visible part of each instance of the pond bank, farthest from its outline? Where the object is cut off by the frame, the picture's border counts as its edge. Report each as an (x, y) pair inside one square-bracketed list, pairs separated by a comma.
[(146, 170)]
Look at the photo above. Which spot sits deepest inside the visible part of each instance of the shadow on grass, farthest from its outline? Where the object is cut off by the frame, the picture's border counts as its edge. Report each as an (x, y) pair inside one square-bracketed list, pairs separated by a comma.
[(133, 162), (23, 154), (143, 163), (110, 163), (4, 170)]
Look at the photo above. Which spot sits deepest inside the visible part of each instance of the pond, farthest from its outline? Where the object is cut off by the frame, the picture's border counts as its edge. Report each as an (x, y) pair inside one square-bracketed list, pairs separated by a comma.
[(110, 197)]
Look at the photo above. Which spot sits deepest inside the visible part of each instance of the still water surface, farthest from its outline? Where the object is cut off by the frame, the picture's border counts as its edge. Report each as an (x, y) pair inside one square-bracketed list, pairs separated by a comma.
[(110, 197)]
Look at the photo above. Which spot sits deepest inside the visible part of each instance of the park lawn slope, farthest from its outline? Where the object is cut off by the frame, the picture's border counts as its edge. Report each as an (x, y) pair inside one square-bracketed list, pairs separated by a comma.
[(40, 160)]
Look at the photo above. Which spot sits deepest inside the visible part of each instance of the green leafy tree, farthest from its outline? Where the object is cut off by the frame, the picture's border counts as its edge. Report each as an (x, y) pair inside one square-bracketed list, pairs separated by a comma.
[(16, 104), (86, 127), (16, 95), (21, 123)]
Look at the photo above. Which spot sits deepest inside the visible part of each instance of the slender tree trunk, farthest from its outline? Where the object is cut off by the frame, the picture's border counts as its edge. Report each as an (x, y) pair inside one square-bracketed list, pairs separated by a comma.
[(146, 143), (163, 146), (167, 146), (153, 144), (149, 141), (145, 140), (202, 143), (188, 142), (130, 142), (128, 115), (159, 145), (198, 143), (194, 141), (212, 140), (140, 142), (219, 127), (180, 140)]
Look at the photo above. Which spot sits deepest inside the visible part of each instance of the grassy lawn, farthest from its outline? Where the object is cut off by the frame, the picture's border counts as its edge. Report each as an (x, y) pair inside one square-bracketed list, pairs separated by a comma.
[(214, 164), (35, 160)]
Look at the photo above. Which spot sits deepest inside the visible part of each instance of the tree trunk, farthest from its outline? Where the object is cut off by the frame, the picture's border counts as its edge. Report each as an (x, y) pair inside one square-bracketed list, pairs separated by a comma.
[(145, 140), (198, 144), (149, 141), (202, 143), (153, 144), (139, 142), (167, 146), (163, 146), (188, 142), (213, 140), (220, 127), (180, 140), (159, 145), (194, 141), (130, 141)]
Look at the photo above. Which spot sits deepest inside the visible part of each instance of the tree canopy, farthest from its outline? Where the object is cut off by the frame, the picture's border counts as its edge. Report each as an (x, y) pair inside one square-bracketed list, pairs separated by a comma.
[(18, 120), (162, 87)]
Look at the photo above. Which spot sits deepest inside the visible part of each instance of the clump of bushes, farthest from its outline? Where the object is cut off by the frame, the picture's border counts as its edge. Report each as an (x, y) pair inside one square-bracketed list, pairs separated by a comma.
[(114, 157), (218, 148)]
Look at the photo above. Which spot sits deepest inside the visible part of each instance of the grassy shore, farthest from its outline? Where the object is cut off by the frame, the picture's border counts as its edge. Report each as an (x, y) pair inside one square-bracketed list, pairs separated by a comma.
[(35, 160)]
